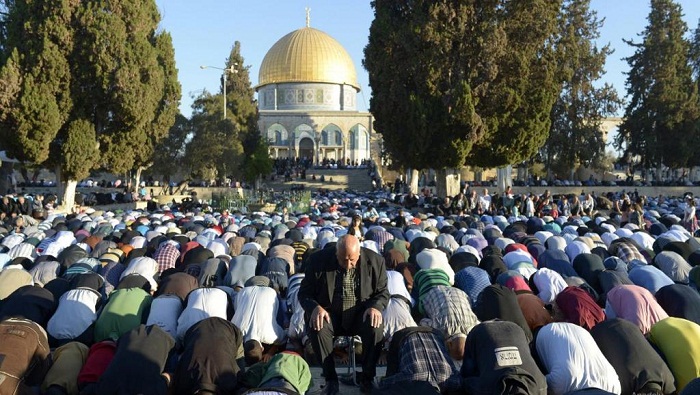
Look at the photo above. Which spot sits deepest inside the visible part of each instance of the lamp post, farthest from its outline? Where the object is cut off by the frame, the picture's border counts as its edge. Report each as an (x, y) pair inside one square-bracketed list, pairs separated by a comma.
[(227, 70)]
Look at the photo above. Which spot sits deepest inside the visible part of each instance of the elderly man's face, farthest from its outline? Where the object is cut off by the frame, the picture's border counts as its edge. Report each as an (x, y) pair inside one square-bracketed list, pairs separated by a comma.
[(349, 255)]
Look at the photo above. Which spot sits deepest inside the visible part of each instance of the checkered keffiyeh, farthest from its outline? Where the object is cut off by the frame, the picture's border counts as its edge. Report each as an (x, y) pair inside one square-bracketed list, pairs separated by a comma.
[(166, 256), (448, 310), (425, 358), (628, 252)]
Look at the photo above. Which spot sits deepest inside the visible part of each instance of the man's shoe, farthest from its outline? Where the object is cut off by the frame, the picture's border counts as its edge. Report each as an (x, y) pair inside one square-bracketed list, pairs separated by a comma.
[(366, 386), (331, 388)]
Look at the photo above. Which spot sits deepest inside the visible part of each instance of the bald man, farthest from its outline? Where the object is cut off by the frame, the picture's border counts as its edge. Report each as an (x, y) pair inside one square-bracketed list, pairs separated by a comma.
[(344, 293)]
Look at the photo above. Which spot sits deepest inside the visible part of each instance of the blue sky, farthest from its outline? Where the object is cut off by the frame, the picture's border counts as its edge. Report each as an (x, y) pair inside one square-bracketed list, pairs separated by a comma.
[(204, 32)]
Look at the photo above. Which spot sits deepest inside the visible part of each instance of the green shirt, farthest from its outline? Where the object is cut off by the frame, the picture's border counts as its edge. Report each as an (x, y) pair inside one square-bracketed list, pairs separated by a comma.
[(290, 367), (125, 310)]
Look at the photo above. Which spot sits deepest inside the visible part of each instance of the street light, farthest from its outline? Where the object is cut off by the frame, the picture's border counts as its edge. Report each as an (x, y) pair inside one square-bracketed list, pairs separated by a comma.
[(227, 70)]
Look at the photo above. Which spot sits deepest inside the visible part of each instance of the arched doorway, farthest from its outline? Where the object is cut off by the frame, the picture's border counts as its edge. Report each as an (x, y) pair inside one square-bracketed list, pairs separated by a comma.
[(306, 148)]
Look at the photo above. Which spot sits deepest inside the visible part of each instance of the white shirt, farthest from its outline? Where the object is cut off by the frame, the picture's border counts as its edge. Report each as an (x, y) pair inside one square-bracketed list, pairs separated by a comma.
[(516, 256), (549, 283), (165, 310), (573, 360), (432, 258), (485, 202), (202, 303), (256, 313), (75, 313), (396, 316), (145, 266)]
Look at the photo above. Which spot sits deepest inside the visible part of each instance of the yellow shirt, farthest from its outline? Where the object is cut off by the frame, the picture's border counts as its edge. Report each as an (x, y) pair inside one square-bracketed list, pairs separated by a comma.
[(679, 340)]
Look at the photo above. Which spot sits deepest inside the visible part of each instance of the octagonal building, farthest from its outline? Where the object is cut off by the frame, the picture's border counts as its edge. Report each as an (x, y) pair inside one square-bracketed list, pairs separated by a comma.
[(307, 97)]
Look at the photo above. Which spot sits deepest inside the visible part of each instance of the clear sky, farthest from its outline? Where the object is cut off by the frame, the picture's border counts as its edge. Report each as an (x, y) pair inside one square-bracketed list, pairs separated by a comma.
[(204, 32)]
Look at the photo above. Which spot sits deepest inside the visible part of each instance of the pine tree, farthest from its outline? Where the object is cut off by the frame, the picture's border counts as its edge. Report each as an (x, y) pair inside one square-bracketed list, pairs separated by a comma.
[(220, 148), (575, 136), (663, 100)]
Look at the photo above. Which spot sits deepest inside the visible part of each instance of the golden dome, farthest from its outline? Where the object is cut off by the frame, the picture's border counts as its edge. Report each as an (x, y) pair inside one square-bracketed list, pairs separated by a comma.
[(307, 55)]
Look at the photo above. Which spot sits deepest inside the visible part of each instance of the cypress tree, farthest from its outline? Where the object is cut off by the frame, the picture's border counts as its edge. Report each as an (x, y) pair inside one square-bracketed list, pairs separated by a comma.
[(65, 63), (476, 81), (575, 136), (662, 105)]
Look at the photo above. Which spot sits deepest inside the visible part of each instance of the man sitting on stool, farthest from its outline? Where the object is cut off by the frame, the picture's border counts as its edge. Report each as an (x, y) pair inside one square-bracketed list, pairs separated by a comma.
[(344, 293)]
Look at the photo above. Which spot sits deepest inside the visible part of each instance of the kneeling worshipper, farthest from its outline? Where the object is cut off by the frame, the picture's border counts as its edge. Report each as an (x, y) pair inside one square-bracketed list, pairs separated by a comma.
[(203, 303), (138, 364), (680, 301), (62, 378), (499, 302), (418, 363), (572, 361), (640, 368), (207, 364), (164, 312), (256, 309), (77, 311), (679, 341), (497, 360), (578, 307), (447, 309), (98, 359), (636, 305), (180, 284), (397, 314), (287, 373), (125, 310), (30, 302), (24, 356)]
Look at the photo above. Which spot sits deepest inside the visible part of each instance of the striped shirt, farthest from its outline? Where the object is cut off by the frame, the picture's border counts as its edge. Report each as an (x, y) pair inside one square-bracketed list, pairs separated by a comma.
[(426, 279)]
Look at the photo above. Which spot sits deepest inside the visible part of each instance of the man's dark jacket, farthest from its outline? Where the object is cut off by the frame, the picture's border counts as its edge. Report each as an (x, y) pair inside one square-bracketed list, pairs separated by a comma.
[(318, 285)]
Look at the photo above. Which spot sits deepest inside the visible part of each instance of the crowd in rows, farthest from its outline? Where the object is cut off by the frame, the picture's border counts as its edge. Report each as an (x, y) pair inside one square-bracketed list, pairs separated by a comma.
[(499, 300)]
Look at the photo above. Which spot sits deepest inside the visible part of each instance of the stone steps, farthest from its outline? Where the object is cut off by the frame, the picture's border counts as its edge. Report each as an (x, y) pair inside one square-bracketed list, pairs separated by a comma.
[(353, 179)]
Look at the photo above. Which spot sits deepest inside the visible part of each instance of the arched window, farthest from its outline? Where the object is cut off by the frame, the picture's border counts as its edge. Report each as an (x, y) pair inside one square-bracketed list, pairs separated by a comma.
[(338, 138), (324, 137), (278, 137), (353, 139)]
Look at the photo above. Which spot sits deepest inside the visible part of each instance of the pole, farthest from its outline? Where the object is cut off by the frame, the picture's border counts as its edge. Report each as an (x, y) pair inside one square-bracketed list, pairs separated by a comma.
[(225, 94)]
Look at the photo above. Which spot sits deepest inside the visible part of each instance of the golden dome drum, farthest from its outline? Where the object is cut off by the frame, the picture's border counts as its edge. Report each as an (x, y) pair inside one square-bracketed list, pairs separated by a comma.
[(307, 55)]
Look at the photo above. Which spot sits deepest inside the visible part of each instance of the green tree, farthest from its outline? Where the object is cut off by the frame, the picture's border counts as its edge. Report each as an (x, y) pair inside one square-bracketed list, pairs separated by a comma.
[(474, 84), (663, 100), (695, 62), (169, 153), (575, 136), (517, 104), (65, 63), (241, 102), (218, 148), (257, 163), (215, 151)]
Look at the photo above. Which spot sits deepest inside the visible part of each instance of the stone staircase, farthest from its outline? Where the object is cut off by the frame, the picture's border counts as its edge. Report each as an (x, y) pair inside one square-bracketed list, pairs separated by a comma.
[(353, 179)]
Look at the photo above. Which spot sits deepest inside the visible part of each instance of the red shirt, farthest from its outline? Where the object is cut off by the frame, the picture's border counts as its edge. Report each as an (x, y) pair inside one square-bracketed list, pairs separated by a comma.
[(97, 361)]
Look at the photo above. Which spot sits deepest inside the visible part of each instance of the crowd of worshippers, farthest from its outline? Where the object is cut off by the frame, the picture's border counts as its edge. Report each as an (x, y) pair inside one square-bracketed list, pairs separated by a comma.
[(628, 206), (173, 302)]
